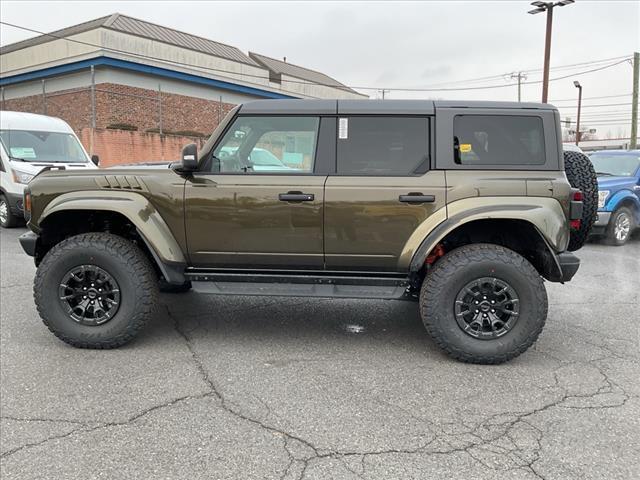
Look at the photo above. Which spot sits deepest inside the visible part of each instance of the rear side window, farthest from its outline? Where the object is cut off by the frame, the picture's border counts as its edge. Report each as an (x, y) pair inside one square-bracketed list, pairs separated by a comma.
[(395, 146), (498, 140)]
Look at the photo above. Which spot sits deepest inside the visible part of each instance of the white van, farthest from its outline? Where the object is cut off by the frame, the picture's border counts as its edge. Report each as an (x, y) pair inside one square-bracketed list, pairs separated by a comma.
[(29, 143)]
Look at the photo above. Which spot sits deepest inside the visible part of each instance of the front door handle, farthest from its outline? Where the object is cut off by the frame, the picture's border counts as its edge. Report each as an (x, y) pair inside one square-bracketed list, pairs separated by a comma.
[(296, 197), (417, 197)]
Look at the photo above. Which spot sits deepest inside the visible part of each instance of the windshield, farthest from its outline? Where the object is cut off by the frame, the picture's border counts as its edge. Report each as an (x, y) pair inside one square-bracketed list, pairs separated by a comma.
[(615, 165), (38, 146)]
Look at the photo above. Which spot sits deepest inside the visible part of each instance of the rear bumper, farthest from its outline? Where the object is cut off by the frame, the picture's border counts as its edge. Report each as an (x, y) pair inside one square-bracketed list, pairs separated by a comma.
[(28, 241), (569, 265)]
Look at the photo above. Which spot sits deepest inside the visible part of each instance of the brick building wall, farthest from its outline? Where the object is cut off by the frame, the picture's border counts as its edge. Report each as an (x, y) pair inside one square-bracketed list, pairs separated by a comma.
[(115, 104), (128, 120), (115, 147)]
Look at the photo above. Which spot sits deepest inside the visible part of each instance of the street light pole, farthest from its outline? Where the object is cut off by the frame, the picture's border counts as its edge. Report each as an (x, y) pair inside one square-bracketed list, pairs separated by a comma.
[(547, 7), (579, 87)]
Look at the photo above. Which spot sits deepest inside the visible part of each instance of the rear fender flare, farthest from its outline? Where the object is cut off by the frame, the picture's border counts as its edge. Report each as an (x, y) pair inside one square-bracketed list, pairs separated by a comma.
[(545, 214)]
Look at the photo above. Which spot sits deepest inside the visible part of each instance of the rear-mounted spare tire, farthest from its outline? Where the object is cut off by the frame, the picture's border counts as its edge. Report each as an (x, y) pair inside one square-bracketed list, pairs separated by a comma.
[(582, 175)]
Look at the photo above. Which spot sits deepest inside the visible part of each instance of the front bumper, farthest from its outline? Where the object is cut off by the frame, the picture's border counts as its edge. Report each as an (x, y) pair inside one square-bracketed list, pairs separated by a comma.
[(28, 241), (15, 203), (602, 219)]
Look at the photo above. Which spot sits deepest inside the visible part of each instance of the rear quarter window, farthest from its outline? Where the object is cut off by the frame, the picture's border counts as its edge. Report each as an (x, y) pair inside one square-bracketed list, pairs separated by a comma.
[(498, 140)]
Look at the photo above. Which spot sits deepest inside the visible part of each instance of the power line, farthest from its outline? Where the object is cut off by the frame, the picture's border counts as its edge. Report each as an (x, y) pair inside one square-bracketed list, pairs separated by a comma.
[(592, 98), (174, 62), (597, 105)]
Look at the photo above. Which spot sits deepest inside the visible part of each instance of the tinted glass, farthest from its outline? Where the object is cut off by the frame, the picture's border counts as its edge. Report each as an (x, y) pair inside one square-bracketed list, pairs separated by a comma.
[(498, 140), (37, 146), (279, 145), (382, 145), (615, 165)]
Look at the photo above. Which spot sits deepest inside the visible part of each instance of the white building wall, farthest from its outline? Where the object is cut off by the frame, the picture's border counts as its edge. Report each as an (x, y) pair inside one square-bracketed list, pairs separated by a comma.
[(149, 52)]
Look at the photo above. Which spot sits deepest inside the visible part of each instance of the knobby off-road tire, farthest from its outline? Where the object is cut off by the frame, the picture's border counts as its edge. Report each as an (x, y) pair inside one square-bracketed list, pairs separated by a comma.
[(133, 284), (582, 175), (7, 219), (443, 286)]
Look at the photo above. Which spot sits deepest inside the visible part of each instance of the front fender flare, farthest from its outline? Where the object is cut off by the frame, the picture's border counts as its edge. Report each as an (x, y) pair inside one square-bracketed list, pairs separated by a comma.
[(545, 214), (140, 212)]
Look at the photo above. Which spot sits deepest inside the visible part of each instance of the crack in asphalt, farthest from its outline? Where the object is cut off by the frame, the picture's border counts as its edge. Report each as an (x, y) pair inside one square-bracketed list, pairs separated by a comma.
[(474, 442)]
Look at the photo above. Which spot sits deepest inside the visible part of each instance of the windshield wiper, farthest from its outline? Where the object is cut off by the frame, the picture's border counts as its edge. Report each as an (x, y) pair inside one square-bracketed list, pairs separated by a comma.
[(18, 159)]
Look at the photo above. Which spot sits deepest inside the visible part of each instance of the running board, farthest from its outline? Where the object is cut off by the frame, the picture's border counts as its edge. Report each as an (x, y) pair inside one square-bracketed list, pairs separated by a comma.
[(297, 284)]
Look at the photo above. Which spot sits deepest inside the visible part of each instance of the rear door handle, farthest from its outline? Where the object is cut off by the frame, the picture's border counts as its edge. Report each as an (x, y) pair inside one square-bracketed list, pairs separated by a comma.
[(417, 197), (296, 197)]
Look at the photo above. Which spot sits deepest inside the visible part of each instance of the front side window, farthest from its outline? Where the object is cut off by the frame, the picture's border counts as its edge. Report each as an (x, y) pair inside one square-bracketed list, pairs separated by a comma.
[(38, 146), (498, 140), (395, 146), (281, 145)]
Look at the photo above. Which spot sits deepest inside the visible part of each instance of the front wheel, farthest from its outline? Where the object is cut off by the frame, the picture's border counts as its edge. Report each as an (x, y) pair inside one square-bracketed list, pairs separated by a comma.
[(483, 303), (95, 290), (620, 226), (7, 219)]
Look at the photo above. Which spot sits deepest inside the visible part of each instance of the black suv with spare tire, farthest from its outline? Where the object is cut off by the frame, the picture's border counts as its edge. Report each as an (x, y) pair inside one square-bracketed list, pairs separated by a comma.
[(464, 207)]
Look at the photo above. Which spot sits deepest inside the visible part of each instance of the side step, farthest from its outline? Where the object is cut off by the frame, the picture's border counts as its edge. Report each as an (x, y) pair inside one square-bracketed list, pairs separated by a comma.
[(299, 284)]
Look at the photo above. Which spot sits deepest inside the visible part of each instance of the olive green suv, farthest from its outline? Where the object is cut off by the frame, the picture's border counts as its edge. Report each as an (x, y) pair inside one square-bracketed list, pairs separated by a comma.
[(463, 207)]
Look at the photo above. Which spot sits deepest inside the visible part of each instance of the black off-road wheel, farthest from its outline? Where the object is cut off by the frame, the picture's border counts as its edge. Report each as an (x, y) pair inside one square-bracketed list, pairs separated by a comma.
[(483, 303), (95, 290), (7, 219), (621, 226), (582, 175)]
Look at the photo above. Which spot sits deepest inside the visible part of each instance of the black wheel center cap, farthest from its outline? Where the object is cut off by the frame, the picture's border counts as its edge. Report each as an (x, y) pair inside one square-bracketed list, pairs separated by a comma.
[(92, 294), (485, 306)]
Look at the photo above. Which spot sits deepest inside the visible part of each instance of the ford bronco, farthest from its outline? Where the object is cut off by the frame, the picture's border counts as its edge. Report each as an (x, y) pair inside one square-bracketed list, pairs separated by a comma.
[(464, 207)]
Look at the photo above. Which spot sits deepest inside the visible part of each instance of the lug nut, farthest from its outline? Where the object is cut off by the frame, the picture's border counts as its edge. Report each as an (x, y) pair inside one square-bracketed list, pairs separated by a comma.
[(92, 284), (484, 314), (84, 288), (493, 311), (84, 296), (484, 297), (493, 301), (477, 302), (477, 311)]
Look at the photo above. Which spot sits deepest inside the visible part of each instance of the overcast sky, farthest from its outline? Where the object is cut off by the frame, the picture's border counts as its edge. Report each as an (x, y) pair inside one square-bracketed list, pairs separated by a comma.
[(403, 44)]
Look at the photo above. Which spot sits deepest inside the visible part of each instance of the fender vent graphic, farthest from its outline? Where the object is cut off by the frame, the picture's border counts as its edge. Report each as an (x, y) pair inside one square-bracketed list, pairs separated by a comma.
[(121, 182)]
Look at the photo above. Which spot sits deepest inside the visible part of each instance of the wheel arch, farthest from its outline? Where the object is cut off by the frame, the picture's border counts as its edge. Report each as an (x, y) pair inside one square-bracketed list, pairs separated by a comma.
[(127, 214), (535, 228)]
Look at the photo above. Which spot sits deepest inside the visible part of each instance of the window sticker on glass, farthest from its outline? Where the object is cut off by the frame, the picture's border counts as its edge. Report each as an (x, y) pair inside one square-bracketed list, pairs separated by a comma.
[(23, 152), (343, 128)]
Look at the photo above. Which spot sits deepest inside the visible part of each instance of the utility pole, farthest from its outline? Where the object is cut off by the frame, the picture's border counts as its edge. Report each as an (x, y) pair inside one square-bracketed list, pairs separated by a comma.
[(547, 7), (579, 87), (520, 77), (634, 101)]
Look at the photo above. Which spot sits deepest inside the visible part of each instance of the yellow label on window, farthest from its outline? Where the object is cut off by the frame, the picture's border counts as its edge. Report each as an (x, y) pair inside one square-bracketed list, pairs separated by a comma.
[(465, 147)]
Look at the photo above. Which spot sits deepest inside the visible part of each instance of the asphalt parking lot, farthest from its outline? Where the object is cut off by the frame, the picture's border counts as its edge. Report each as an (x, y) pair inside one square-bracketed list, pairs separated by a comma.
[(291, 388)]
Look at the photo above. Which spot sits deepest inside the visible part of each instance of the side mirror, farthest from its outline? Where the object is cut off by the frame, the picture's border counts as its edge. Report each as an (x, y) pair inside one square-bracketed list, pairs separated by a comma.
[(95, 159), (189, 160)]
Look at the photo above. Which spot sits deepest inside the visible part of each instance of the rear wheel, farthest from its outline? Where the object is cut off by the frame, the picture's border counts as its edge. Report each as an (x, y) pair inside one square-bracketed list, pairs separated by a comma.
[(7, 219), (582, 175), (620, 226), (95, 290), (483, 303)]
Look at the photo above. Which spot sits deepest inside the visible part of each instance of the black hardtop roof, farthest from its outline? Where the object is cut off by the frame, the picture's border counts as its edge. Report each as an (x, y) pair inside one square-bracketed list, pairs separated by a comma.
[(390, 107)]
